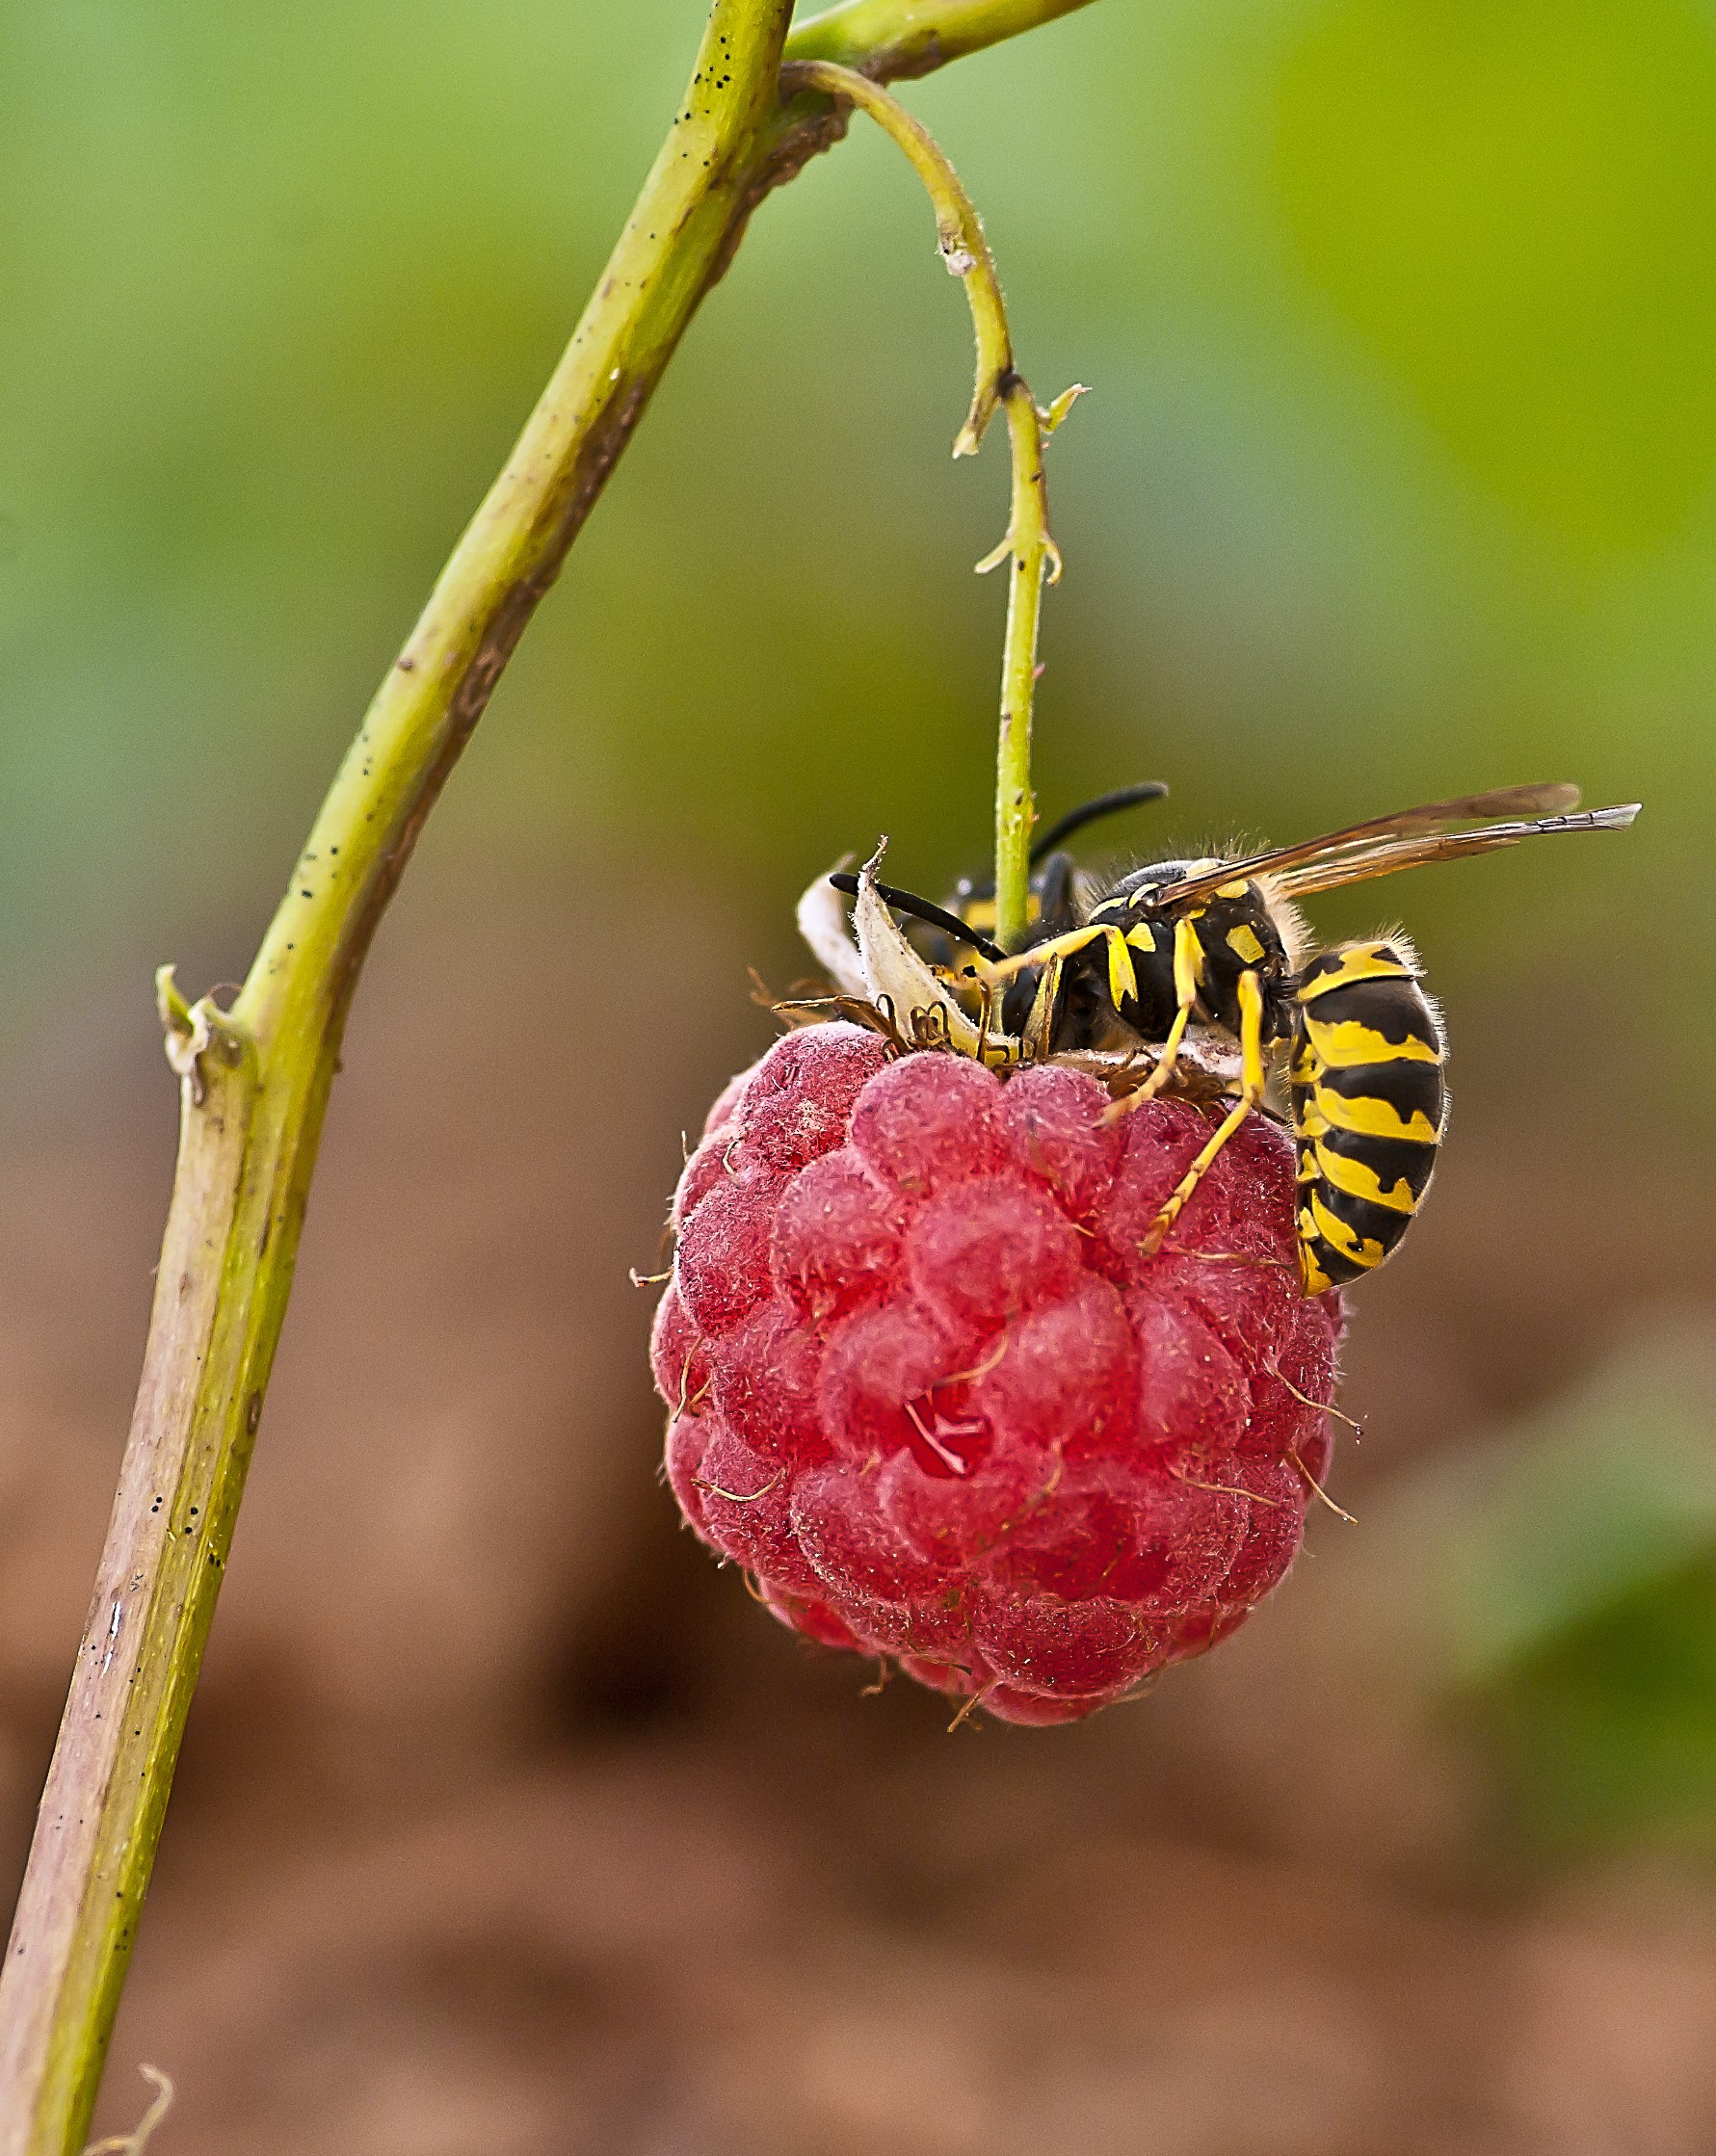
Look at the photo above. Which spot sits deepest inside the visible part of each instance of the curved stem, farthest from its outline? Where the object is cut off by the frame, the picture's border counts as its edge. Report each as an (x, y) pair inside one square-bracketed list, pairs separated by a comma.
[(959, 229), (1033, 554)]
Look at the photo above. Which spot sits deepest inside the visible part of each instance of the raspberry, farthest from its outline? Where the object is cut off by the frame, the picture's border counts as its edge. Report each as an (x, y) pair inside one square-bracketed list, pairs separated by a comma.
[(927, 1389)]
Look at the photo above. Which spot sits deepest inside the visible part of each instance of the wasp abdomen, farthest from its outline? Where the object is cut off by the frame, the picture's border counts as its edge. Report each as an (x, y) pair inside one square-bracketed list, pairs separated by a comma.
[(1369, 1104)]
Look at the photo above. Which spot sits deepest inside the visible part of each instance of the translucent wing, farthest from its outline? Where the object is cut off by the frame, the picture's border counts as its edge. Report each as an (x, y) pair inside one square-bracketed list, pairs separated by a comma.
[(1390, 856), (1404, 839)]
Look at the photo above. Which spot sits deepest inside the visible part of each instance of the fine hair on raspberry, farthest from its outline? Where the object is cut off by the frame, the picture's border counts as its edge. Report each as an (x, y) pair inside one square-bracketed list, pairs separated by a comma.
[(926, 1388)]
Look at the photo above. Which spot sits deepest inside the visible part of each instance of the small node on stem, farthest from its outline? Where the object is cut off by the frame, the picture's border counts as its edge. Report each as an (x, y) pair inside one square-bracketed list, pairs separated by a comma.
[(169, 1001), (1052, 415), (995, 557), (185, 1043), (190, 1030), (986, 400), (955, 254)]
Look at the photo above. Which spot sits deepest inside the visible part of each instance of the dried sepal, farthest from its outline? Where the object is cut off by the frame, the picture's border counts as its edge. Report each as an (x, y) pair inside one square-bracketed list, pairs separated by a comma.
[(822, 923), (898, 976)]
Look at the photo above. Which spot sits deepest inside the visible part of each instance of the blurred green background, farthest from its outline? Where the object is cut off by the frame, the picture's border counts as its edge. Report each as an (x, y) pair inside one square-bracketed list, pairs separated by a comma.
[(1398, 479)]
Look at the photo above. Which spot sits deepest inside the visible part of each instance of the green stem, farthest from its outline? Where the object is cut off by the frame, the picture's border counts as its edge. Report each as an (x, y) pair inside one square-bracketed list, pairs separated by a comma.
[(1034, 560), (255, 1085), (1031, 552), (255, 1080), (959, 229), (889, 38)]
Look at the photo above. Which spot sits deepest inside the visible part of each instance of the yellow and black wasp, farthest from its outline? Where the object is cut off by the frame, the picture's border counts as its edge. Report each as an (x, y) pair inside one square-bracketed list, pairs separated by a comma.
[(1220, 945)]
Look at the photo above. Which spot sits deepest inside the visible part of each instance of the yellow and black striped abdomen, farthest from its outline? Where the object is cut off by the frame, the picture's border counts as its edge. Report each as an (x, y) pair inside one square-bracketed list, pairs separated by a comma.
[(1369, 1104)]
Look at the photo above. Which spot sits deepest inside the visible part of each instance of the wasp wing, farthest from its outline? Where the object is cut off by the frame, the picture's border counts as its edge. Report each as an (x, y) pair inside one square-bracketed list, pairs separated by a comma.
[(1546, 802), (1390, 858)]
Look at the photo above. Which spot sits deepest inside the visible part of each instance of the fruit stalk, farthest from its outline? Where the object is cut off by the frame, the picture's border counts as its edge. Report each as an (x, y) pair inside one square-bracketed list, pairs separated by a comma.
[(1033, 560), (1031, 553)]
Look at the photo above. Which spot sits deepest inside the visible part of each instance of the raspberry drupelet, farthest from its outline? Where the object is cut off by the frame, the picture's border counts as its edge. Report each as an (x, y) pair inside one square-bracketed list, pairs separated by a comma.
[(926, 1389)]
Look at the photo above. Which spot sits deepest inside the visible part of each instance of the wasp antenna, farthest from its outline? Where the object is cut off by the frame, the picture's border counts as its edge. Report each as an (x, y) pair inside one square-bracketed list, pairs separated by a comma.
[(921, 910), (1089, 812)]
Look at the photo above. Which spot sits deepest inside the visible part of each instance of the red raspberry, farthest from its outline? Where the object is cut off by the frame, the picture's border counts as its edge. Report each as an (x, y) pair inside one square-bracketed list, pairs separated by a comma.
[(928, 1391)]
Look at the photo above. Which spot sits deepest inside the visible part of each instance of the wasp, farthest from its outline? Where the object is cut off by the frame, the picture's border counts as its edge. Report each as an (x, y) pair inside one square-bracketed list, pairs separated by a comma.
[(1220, 945)]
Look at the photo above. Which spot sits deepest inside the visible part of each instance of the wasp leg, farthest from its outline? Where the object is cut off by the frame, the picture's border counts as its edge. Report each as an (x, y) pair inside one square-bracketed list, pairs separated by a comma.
[(1250, 1092), (1123, 978), (1187, 952), (985, 1011), (1039, 1027)]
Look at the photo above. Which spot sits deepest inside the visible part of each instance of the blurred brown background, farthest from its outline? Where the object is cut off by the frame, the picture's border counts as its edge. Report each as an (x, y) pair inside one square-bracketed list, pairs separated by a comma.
[(507, 1823)]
